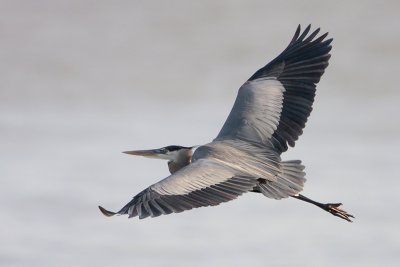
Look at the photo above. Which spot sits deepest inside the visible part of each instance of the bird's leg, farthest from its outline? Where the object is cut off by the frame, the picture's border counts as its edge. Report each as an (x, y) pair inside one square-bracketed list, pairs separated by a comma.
[(332, 208)]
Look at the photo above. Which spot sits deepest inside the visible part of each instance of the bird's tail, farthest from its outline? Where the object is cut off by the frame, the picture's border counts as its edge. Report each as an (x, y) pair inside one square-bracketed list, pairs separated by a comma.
[(290, 181)]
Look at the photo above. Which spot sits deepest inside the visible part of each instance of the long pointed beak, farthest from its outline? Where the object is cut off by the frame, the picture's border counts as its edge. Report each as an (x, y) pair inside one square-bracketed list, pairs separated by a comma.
[(152, 153)]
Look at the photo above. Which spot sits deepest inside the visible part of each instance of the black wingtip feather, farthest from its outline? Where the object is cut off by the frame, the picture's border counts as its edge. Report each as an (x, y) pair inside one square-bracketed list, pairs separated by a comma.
[(304, 34), (296, 34), (300, 47), (312, 35), (106, 212)]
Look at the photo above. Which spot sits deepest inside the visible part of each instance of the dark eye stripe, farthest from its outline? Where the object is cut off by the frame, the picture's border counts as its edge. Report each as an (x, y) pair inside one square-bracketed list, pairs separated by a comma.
[(175, 148)]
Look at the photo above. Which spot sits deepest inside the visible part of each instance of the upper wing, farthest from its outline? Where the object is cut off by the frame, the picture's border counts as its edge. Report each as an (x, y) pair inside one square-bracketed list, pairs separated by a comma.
[(274, 104), (202, 183)]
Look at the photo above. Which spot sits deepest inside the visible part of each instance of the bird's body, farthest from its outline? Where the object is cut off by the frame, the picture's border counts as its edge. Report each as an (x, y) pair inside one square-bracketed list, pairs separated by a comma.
[(269, 113)]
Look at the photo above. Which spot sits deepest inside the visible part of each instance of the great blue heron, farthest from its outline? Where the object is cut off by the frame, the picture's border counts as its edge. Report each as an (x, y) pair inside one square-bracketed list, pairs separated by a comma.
[(269, 113)]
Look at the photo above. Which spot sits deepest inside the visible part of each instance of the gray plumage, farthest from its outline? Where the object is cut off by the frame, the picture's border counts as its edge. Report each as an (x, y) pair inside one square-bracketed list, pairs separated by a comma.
[(269, 114)]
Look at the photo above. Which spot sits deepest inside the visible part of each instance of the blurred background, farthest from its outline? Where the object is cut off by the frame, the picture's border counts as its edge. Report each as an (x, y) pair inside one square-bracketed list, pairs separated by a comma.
[(82, 81)]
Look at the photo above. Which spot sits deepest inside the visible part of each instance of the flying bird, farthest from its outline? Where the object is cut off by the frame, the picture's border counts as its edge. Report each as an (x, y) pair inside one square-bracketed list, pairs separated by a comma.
[(268, 115)]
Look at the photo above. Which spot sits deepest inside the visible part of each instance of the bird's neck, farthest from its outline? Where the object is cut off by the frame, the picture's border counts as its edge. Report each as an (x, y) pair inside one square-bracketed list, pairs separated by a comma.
[(181, 159)]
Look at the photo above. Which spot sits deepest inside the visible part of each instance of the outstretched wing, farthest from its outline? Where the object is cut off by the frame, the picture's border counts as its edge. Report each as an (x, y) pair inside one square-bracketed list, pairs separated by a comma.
[(203, 183), (272, 107)]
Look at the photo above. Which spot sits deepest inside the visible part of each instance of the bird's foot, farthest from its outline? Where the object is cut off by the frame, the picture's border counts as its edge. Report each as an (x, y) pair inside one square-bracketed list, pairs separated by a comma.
[(333, 208)]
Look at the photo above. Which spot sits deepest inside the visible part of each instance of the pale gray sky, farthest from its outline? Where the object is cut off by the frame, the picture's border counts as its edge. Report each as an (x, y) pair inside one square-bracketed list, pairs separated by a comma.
[(82, 81)]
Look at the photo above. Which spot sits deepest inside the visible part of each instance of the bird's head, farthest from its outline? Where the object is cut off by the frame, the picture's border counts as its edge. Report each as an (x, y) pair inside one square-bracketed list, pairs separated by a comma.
[(170, 153)]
